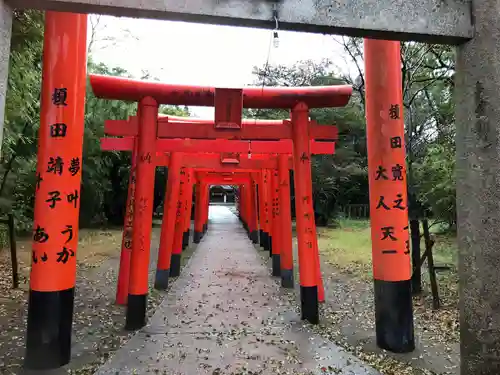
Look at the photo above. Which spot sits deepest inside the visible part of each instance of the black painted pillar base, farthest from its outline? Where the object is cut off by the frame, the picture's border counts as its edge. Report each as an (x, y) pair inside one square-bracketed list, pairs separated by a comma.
[(266, 241), (287, 278), (394, 316), (136, 312), (254, 236), (270, 239), (161, 279), (276, 261), (261, 233), (205, 228), (175, 265), (185, 240), (197, 237), (48, 338), (309, 304)]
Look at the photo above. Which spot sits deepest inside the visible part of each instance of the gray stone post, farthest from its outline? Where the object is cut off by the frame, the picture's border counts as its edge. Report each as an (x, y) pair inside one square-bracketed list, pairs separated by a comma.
[(5, 34), (478, 191)]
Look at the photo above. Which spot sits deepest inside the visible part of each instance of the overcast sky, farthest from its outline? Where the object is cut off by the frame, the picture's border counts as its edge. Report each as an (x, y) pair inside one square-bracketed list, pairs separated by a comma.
[(185, 53)]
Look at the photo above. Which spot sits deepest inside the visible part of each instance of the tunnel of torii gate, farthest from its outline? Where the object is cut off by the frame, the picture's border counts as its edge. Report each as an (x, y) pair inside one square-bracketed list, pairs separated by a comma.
[(196, 156), (53, 271)]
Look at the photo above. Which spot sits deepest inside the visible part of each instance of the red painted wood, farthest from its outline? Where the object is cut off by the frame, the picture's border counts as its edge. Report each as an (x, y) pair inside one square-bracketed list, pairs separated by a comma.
[(120, 88), (196, 130), (217, 145)]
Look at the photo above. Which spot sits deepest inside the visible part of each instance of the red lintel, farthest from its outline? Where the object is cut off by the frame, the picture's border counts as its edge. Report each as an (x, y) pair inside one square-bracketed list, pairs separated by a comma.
[(226, 180), (226, 170), (168, 129), (211, 174), (214, 163), (216, 146), (119, 88), (245, 121), (214, 176)]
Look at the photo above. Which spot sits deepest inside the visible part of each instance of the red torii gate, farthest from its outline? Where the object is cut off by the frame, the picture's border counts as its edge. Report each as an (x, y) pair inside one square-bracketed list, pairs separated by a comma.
[(211, 162), (53, 285), (53, 268), (228, 124), (132, 90)]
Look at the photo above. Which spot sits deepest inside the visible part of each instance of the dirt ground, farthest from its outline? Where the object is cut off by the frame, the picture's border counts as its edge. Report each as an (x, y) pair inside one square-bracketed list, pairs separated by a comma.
[(98, 322), (347, 316), (347, 319)]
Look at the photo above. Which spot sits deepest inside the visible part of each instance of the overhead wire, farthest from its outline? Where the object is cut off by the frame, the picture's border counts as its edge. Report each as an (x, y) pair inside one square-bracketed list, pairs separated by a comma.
[(274, 36)]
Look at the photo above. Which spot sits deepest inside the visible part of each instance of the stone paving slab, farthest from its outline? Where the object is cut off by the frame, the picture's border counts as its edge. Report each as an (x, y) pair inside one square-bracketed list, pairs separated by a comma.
[(225, 315)]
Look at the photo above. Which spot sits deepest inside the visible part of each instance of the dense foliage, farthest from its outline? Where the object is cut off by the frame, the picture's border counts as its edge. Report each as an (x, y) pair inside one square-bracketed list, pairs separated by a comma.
[(338, 180)]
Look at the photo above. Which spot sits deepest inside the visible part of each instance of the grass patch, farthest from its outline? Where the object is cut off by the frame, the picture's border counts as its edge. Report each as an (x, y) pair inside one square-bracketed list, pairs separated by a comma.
[(348, 247)]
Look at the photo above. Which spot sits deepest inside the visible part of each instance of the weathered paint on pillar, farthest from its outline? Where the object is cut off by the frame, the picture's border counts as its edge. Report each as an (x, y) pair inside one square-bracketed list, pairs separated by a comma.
[(198, 212), (242, 206), (248, 192), (276, 222), (168, 221), (245, 196), (321, 289), (143, 215), (388, 196), (266, 199), (477, 111), (261, 204), (248, 199), (189, 206), (126, 250), (205, 206), (254, 235), (304, 217), (269, 197), (175, 260), (286, 258), (57, 196)]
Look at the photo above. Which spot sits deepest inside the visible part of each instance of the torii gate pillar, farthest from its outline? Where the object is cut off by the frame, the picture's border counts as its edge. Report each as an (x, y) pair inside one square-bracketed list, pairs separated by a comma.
[(306, 229), (188, 208), (205, 205), (57, 196), (286, 253), (168, 222), (143, 215), (198, 212), (180, 222), (254, 235), (276, 223), (388, 196), (126, 250)]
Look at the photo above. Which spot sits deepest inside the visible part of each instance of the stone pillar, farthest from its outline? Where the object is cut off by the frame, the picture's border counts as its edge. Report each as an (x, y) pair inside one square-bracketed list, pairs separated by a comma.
[(478, 191), (5, 34)]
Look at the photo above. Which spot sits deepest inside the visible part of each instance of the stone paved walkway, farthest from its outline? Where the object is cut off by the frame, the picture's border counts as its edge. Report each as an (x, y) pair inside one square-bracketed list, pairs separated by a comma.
[(225, 315)]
